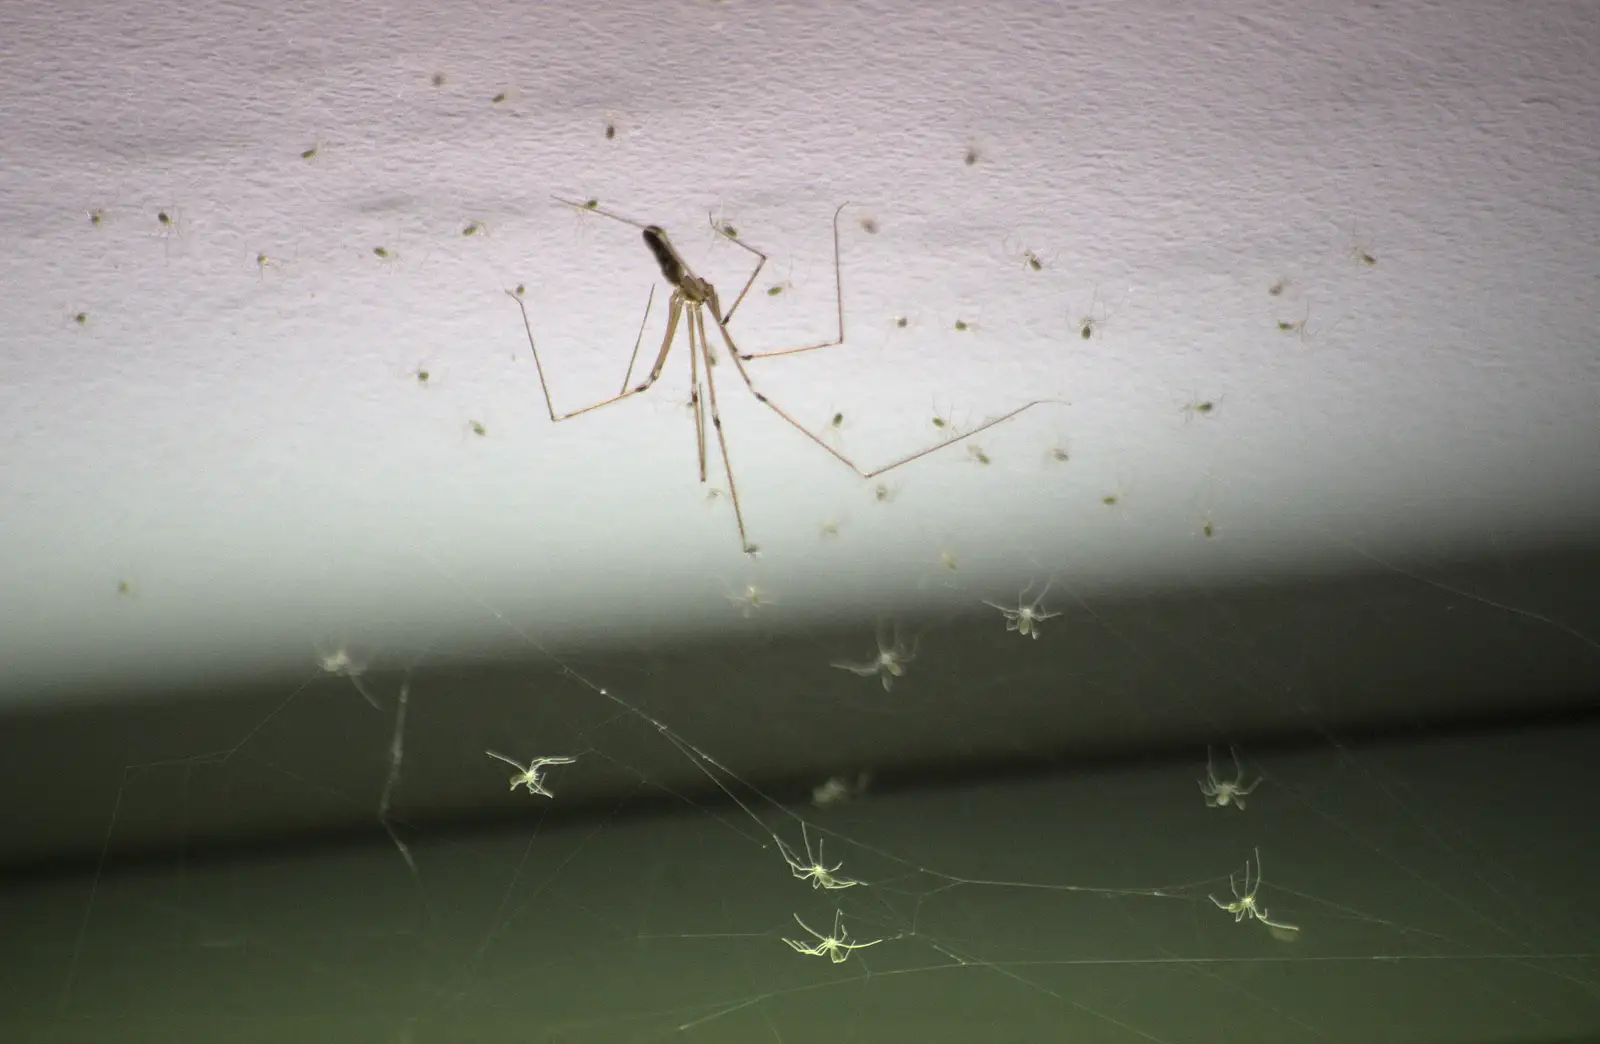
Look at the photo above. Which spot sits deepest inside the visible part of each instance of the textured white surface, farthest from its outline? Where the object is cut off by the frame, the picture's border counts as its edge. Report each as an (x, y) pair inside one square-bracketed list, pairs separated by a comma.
[(250, 449)]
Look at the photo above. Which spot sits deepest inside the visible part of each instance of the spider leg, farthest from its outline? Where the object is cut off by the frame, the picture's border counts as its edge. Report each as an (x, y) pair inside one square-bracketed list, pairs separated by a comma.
[(697, 341), (762, 260), (544, 384), (694, 389), (740, 357), (838, 290)]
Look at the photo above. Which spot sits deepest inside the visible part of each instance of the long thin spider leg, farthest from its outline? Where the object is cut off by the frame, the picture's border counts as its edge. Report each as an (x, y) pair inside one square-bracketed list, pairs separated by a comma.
[(698, 327), (738, 362), (694, 397), (674, 314), (575, 205), (838, 290), (639, 339), (748, 283), (544, 385)]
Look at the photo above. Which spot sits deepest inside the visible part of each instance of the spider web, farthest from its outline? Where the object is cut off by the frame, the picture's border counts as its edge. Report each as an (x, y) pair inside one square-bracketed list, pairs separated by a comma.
[(1005, 889)]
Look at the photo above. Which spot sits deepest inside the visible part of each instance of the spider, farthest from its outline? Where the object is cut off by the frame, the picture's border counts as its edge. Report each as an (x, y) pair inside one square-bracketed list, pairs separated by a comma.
[(264, 262), (751, 599), (1030, 258), (1220, 793), (820, 876), (1197, 407), (532, 776), (889, 664), (837, 946), (338, 660), (1244, 904), (836, 790), (1098, 316), (1026, 617), (694, 307)]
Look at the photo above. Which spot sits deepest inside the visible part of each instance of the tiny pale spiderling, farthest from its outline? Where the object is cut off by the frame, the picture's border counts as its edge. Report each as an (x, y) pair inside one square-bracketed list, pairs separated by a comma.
[(1244, 905), (1222, 792), (814, 871), (889, 664), (835, 947), (531, 775), (1027, 616)]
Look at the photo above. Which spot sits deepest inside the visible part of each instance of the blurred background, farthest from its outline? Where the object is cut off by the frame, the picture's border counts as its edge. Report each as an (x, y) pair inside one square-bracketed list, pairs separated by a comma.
[(1237, 683)]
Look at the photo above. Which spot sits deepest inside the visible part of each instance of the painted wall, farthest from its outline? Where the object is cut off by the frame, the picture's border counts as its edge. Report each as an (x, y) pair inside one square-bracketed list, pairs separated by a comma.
[(1366, 237)]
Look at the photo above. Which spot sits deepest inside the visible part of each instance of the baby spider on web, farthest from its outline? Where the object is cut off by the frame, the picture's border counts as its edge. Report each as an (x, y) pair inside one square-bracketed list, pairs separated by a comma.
[(836, 790), (782, 286), (1117, 499), (1029, 258), (750, 600), (422, 375), (813, 869), (1098, 316), (1221, 793), (169, 223), (835, 947), (834, 429), (945, 420), (1244, 904), (265, 262), (1197, 408), (722, 226), (531, 775), (1027, 616), (338, 660), (1358, 251), (1301, 327), (889, 664)]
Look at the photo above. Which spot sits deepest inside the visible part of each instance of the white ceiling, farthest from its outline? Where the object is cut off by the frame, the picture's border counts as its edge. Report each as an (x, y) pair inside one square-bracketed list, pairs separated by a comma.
[(226, 461)]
